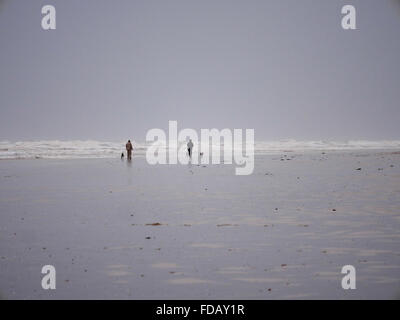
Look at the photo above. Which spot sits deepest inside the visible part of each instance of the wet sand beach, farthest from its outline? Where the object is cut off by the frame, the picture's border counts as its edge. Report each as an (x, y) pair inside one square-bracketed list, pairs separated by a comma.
[(120, 230)]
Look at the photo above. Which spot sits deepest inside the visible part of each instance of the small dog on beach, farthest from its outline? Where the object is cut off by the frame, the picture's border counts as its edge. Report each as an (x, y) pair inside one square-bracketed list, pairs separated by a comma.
[(122, 155)]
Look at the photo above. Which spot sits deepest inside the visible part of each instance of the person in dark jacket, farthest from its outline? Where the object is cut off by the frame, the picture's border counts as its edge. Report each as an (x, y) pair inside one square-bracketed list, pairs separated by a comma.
[(129, 149)]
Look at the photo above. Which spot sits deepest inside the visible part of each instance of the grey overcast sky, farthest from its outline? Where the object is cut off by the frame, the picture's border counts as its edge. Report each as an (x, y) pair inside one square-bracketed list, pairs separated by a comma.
[(115, 69)]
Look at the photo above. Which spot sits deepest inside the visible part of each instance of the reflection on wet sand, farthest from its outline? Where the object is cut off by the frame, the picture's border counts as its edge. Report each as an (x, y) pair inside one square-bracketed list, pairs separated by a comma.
[(194, 232), (190, 281)]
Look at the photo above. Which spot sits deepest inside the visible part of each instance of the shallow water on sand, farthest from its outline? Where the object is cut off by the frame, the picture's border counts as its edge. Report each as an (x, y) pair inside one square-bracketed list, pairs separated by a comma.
[(114, 230)]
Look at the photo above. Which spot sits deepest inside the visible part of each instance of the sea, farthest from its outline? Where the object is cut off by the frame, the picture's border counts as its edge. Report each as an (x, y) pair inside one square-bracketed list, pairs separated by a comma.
[(77, 149)]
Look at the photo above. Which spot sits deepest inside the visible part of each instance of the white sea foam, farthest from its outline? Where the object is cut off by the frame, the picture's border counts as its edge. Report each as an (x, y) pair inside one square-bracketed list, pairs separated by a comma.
[(54, 149)]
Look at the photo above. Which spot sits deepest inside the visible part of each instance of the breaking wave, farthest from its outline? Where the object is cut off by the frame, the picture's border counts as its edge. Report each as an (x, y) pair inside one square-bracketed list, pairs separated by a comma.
[(55, 149)]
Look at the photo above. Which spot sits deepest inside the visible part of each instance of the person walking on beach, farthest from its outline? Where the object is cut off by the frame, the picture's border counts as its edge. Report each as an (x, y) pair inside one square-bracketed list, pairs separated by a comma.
[(190, 147), (129, 149)]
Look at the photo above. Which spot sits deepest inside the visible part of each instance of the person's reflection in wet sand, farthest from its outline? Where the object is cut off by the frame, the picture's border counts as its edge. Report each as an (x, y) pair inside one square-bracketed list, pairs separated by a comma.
[(129, 174), (190, 166)]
